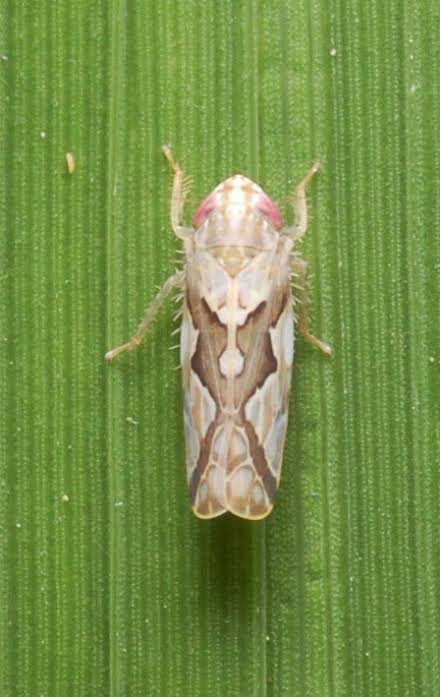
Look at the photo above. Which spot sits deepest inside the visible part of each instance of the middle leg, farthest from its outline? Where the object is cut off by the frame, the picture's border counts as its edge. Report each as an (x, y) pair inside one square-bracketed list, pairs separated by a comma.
[(174, 281), (299, 270)]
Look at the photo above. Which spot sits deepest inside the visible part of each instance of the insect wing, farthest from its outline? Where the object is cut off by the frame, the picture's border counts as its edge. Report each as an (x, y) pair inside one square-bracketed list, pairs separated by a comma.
[(263, 396), (203, 339), (236, 386)]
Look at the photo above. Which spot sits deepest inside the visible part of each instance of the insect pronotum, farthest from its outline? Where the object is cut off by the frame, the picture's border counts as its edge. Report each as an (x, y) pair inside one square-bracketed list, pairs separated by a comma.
[(237, 336)]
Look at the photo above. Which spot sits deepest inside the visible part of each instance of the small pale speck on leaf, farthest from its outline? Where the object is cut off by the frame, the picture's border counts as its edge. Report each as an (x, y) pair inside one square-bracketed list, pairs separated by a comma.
[(70, 162)]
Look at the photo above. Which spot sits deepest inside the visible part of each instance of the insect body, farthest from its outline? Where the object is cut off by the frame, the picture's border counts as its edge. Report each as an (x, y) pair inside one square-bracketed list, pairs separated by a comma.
[(237, 340)]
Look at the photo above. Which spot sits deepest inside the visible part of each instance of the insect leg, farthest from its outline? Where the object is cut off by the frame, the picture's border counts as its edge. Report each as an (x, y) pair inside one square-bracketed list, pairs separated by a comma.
[(173, 281), (299, 270), (178, 193), (300, 204)]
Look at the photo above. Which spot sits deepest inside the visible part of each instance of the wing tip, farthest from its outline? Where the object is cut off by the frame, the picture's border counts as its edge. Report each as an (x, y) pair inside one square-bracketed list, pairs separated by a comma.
[(244, 515), (202, 515)]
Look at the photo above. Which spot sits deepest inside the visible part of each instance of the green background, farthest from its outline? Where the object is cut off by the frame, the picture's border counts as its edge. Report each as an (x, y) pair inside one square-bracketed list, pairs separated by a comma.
[(108, 584)]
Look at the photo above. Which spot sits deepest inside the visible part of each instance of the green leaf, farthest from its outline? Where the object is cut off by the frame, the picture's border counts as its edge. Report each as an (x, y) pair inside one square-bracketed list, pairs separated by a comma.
[(108, 584)]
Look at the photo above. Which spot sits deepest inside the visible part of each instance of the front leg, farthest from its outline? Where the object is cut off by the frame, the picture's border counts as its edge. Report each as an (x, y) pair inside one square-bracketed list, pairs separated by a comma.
[(180, 188), (174, 281), (299, 201), (299, 271)]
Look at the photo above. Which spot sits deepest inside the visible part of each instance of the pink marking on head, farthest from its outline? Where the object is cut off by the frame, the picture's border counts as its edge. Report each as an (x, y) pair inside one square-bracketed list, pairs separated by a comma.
[(238, 190), (270, 209), (204, 210)]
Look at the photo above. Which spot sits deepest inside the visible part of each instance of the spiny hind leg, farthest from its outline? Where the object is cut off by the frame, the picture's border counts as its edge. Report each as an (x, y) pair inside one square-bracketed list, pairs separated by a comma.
[(180, 189), (299, 272), (174, 281), (299, 203)]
